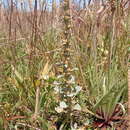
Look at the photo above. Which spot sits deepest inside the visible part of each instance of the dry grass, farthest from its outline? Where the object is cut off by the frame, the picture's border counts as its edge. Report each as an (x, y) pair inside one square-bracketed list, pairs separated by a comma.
[(33, 40)]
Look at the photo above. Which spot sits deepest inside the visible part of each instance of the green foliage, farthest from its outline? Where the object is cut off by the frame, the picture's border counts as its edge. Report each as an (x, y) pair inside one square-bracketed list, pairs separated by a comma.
[(100, 48)]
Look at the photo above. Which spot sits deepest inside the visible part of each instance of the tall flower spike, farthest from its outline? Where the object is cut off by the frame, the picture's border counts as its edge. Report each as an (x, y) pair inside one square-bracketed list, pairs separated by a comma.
[(66, 42), (66, 53)]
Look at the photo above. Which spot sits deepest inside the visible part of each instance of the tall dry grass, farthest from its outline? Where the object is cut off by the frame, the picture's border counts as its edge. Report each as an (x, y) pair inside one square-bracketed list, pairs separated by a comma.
[(31, 53)]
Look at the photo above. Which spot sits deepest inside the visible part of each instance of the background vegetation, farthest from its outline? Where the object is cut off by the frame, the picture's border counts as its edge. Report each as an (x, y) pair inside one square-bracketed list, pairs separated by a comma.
[(64, 66)]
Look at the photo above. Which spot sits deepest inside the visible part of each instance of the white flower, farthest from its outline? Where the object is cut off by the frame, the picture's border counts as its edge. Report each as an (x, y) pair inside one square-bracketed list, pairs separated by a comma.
[(58, 89), (66, 65), (56, 83), (78, 89), (71, 94), (72, 80), (45, 77), (59, 109), (77, 107), (63, 104), (74, 127), (60, 76), (86, 122)]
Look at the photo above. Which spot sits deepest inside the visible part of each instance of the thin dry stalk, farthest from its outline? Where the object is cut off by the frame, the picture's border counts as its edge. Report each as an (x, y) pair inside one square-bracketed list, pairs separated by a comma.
[(129, 73), (35, 42), (129, 93)]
